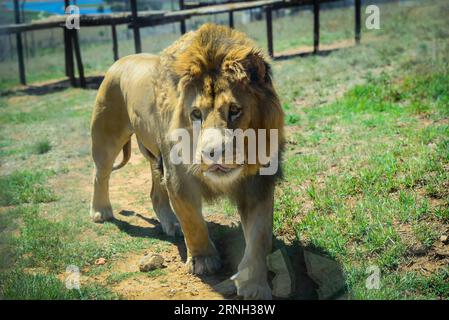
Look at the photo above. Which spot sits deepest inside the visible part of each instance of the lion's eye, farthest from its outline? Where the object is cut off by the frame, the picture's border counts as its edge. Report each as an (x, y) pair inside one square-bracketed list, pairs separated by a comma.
[(196, 114), (234, 111)]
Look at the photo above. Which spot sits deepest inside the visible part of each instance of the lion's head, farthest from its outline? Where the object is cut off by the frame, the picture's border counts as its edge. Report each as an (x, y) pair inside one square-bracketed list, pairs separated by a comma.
[(224, 84)]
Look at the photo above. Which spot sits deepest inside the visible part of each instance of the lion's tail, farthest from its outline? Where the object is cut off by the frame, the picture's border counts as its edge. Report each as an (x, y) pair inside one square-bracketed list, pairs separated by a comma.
[(126, 156)]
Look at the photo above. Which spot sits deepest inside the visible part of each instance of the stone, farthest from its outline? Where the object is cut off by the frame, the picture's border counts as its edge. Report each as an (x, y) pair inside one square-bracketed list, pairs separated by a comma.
[(151, 262)]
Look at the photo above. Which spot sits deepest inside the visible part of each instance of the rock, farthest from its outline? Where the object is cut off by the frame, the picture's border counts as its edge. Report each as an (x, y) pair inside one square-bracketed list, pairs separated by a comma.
[(100, 261), (151, 262), (278, 263), (444, 239), (172, 292), (326, 273)]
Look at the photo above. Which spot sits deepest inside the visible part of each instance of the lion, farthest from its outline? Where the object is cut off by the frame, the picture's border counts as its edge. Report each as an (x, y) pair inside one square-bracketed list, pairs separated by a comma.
[(215, 77)]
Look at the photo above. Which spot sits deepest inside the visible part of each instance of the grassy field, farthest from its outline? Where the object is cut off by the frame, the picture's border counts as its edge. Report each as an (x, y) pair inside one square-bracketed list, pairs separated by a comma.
[(366, 170)]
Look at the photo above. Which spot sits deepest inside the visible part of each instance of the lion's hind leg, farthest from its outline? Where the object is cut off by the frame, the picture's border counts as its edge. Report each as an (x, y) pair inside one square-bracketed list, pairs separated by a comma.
[(104, 155), (106, 146)]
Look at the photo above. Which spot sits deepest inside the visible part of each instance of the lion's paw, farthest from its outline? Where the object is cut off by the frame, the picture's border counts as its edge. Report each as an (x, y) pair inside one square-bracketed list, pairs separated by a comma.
[(101, 215), (254, 291), (202, 265), (251, 288)]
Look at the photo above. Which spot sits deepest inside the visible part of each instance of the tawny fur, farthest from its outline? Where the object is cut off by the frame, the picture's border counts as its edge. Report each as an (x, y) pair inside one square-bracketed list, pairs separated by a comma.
[(210, 69)]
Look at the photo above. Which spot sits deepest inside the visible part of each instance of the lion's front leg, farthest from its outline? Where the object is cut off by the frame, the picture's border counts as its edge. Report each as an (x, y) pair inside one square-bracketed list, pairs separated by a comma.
[(161, 203), (202, 255), (257, 222)]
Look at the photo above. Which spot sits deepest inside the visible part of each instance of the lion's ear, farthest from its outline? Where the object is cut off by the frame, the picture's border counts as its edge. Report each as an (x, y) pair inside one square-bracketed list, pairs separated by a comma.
[(247, 65), (257, 69)]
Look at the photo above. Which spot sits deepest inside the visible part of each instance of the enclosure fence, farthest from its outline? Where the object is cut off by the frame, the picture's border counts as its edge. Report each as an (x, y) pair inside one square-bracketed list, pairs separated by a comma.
[(136, 19)]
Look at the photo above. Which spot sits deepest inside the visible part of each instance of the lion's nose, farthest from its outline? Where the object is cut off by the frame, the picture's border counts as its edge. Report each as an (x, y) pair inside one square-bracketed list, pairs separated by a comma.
[(210, 154)]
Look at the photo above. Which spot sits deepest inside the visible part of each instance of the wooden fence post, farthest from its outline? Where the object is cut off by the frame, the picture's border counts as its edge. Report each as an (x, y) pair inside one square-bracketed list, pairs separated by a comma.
[(68, 50), (114, 41), (358, 20), (231, 19), (19, 45), (136, 30), (316, 26), (79, 61), (269, 17), (69, 63), (183, 22), (25, 34)]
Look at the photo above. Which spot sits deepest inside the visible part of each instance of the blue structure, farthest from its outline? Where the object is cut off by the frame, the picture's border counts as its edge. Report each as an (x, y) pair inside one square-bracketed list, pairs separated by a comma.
[(57, 6)]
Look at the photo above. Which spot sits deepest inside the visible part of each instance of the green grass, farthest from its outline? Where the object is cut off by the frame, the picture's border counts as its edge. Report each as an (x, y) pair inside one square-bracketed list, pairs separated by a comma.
[(56, 244), (366, 167), (53, 245), (25, 187), (291, 119), (117, 277), (357, 210), (42, 147), (52, 108), (410, 285), (425, 234), (24, 286)]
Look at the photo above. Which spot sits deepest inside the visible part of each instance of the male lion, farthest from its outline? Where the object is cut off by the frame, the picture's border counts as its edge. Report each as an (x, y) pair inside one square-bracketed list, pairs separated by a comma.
[(217, 77)]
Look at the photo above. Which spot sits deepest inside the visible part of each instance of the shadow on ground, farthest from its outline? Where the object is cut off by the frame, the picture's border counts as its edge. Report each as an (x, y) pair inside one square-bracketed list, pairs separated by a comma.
[(291, 55), (92, 83), (311, 274)]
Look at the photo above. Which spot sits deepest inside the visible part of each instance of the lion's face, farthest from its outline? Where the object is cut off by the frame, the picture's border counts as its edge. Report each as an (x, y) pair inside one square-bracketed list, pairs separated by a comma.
[(229, 115), (218, 108), (226, 91)]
